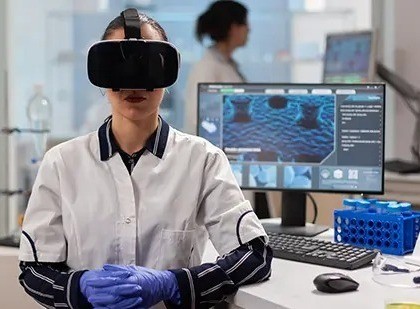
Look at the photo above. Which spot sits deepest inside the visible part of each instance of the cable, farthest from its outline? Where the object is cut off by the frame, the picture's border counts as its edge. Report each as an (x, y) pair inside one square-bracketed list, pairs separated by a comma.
[(409, 103), (315, 207)]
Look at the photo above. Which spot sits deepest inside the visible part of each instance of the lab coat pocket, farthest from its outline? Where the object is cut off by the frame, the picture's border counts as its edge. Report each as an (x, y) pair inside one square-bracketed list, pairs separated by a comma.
[(176, 247)]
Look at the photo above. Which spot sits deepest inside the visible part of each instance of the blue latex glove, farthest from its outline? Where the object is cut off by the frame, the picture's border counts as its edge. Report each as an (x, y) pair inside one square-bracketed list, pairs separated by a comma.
[(113, 292), (111, 278), (115, 301), (155, 286)]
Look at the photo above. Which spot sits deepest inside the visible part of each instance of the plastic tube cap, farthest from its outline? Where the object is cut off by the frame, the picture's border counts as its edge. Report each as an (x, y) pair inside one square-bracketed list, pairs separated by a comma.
[(362, 204), (349, 202)]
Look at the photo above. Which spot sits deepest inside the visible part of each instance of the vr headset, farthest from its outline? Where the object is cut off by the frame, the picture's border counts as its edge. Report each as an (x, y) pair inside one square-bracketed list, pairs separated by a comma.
[(133, 63)]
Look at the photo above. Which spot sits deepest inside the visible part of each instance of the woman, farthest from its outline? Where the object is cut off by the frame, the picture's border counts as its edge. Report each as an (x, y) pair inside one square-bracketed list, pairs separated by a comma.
[(112, 216), (225, 22)]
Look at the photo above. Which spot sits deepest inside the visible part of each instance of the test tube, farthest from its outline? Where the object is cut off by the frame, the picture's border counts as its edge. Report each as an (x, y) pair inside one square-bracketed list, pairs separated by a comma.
[(350, 204), (394, 208), (381, 206), (363, 205), (405, 208), (372, 201)]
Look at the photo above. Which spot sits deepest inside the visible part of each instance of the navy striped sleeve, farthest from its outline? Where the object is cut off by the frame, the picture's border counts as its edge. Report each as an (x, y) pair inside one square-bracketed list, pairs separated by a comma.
[(53, 285), (205, 285)]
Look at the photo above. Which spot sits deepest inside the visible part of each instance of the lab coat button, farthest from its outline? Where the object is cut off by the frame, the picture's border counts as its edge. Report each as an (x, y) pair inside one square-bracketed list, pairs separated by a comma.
[(128, 220)]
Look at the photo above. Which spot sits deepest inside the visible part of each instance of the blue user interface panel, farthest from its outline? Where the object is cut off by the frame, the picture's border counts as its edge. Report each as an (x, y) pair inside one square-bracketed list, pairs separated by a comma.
[(312, 137), (349, 57)]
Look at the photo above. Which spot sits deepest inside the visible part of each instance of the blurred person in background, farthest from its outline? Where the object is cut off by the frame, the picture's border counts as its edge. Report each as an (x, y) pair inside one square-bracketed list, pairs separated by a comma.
[(226, 24)]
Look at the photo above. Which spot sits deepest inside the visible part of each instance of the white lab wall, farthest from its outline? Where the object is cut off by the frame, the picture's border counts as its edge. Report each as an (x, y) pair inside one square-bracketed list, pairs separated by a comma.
[(407, 64), (3, 120), (361, 8), (28, 24), (383, 21), (397, 24), (48, 20), (309, 30)]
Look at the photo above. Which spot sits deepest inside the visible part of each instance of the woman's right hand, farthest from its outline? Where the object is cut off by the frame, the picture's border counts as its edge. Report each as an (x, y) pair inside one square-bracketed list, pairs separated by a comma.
[(108, 278)]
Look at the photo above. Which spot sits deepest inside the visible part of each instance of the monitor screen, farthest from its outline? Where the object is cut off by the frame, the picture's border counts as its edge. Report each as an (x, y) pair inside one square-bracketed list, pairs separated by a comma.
[(349, 57), (311, 137)]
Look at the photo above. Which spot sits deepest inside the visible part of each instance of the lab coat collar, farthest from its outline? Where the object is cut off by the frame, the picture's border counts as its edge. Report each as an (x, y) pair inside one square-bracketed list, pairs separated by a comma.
[(155, 144)]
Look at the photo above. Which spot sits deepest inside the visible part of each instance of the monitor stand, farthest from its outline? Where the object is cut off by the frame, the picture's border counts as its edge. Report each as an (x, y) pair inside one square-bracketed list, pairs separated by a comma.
[(293, 219)]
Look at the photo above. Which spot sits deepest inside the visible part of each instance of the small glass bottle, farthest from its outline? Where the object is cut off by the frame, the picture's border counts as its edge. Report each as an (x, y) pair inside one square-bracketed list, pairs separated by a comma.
[(39, 113)]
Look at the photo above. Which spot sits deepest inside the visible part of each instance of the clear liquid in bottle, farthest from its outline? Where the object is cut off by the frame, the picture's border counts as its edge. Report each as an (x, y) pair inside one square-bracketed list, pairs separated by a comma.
[(39, 112)]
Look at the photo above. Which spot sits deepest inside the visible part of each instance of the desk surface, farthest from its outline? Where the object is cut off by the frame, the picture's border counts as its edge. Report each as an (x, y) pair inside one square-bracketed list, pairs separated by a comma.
[(9, 251), (291, 286)]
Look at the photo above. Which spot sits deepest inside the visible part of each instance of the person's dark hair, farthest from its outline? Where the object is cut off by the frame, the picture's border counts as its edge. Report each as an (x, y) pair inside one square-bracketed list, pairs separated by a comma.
[(218, 18), (118, 23)]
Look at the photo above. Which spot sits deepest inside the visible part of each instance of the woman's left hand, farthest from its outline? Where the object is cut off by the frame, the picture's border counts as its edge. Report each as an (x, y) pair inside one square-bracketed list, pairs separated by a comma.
[(144, 287)]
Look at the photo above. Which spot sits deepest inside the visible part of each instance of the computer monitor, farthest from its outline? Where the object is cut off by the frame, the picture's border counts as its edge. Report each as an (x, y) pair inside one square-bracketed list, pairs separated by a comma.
[(298, 138), (349, 57)]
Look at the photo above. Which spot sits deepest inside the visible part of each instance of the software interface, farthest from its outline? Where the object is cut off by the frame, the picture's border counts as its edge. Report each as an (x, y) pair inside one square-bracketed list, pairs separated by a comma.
[(306, 137), (348, 58)]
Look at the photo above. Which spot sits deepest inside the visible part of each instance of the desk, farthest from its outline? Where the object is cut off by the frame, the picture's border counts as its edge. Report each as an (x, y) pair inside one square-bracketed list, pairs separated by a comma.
[(290, 286)]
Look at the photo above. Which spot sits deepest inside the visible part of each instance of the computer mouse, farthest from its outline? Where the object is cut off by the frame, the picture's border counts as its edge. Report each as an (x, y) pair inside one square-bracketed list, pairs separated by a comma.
[(335, 283)]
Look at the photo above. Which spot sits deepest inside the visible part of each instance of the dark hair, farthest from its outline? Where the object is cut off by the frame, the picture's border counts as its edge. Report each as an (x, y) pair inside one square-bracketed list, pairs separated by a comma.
[(118, 23), (218, 18)]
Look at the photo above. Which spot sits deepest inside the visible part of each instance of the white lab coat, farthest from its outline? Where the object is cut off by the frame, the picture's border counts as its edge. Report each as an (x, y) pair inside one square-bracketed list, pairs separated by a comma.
[(89, 212), (212, 68)]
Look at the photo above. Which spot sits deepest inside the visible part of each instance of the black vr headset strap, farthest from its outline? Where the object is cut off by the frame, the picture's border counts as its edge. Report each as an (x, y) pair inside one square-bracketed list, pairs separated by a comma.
[(131, 24)]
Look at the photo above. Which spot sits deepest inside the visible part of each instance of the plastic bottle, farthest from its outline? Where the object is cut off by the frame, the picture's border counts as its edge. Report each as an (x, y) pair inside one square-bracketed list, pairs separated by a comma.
[(39, 113), (32, 171)]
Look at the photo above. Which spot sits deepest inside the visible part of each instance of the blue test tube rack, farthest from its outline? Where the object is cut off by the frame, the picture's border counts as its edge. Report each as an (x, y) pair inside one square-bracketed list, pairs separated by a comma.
[(391, 233)]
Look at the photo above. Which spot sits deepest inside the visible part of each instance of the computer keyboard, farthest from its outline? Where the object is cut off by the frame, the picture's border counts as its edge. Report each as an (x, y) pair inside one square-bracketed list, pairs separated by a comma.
[(320, 252)]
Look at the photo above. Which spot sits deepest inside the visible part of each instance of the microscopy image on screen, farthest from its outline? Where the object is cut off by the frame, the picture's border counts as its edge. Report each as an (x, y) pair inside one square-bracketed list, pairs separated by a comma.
[(298, 177), (279, 128), (237, 170), (210, 129), (209, 120), (263, 176)]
